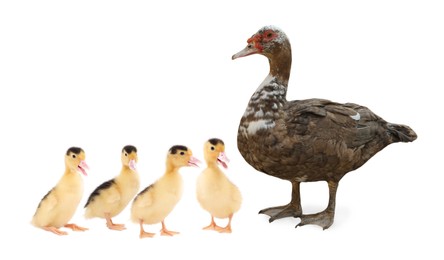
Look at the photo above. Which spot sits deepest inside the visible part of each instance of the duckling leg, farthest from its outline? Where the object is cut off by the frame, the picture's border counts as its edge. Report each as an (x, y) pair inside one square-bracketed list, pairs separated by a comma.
[(226, 229), (111, 225), (212, 226), (55, 231), (292, 209), (74, 227), (165, 232), (325, 218), (144, 234)]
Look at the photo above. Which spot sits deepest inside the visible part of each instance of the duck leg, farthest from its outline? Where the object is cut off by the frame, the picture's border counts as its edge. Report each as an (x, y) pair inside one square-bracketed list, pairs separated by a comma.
[(325, 218), (226, 229), (165, 232), (212, 226), (292, 209), (143, 233), (111, 225)]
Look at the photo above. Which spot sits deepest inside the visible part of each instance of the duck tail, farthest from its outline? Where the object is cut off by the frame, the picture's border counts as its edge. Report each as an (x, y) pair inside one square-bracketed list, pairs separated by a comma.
[(401, 133)]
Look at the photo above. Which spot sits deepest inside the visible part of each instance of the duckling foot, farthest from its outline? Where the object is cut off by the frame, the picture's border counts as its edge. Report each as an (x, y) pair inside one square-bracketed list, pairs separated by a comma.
[(144, 234), (213, 226), (113, 226), (323, 219), (226, 229), (165, 232), (118, 227), (55, 231), (74, 227), (289, 210)]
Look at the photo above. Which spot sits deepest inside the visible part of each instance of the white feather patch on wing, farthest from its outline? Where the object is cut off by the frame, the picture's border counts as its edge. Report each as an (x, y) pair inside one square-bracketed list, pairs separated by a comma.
[(356, 117), (255, 126)]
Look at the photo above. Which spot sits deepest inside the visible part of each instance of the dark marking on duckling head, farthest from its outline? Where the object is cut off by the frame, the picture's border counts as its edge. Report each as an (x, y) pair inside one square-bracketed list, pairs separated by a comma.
[(129, 149), (175, 148), (215, 141), (75, 150)]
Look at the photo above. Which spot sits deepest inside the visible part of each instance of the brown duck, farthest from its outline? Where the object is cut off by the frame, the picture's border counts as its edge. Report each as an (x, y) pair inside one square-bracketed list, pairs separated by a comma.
[(305, 140)]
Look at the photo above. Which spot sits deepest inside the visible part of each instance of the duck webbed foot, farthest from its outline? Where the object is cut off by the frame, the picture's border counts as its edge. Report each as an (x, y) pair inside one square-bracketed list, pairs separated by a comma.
[(289, 210), (323, 219), (292, 209)]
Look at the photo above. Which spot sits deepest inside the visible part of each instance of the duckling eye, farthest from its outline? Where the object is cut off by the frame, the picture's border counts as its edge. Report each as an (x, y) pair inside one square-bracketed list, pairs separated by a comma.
[(182, 153), (126, 154), (212, 148), (74, 156)]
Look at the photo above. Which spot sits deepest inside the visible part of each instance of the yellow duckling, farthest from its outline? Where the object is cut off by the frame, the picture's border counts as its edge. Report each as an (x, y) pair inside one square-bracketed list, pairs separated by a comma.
[(154, 203), (59, 205), (111, 197), (215, 192)]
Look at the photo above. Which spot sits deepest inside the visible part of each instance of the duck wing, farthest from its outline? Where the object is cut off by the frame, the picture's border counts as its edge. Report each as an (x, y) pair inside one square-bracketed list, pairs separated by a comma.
[(144, 198), (351, 124)]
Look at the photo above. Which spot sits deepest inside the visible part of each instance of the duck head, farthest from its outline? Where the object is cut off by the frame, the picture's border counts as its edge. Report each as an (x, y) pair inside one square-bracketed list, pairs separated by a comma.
[(214, 152), (129, 157), (75, 160), (180, 155), (267, 41)]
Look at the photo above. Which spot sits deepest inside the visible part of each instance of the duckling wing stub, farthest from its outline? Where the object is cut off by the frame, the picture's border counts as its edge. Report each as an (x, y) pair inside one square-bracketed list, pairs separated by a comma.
[(48, 202), (145, 197), (107, 187)]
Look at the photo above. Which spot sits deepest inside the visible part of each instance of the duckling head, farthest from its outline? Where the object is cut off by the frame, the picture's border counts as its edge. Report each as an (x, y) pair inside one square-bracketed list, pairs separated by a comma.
[(75, 160), (214, 152), (129, 157), (180, 155)]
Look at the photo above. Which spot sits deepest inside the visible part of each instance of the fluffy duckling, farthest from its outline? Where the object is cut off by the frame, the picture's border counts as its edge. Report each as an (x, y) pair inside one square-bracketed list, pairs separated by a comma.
[(154, 203), (215, 192), (111, 197), (59, 205)]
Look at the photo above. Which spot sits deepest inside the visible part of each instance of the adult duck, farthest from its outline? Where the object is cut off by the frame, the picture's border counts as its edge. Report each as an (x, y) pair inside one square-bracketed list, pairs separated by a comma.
[(305, 140)]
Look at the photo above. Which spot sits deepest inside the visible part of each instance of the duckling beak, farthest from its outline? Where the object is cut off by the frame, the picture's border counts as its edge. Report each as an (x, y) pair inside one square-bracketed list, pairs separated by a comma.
[(249, 50), (132, 165), (223, 160), (194, 162), (83, 167)]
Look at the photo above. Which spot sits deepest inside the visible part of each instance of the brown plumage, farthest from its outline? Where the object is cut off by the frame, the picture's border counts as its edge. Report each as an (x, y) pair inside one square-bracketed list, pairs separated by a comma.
[(306, 140)]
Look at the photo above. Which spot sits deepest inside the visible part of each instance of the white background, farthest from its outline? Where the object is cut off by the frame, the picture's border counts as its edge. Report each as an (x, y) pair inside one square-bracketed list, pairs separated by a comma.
[(104, 74)]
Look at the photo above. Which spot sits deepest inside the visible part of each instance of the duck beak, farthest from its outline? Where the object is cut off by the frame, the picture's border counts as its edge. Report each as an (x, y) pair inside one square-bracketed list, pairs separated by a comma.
[(223, 160), (132, 165), (83, 167), (194, 162), (249, 50)]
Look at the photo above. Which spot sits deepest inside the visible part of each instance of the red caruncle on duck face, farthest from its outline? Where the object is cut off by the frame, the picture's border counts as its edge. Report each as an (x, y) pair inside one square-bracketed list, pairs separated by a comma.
[(262, 38)]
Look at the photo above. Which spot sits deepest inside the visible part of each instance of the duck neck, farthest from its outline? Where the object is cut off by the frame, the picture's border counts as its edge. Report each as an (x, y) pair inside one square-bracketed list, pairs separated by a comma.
[(126, 169), (280, 64), (212, 164), (171, 169)]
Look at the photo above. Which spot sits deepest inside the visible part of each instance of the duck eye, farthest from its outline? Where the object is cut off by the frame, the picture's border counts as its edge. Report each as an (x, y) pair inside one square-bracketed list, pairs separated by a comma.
[(126, 154), (182, 153), (212, 148), (269, 35), (74, 156)]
